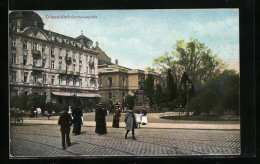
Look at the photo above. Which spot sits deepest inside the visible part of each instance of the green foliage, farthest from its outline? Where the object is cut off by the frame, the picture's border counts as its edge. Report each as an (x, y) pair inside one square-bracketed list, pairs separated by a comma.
[(207, 100), (158, 94), (192, 57), (130, 101), (171, 90), (149, 89)]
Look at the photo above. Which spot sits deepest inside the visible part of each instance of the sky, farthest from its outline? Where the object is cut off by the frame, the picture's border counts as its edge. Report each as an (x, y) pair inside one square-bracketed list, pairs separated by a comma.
[(136, 37)]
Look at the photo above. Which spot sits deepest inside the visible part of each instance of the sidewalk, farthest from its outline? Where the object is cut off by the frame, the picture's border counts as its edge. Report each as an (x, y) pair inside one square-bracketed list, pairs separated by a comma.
[(149, 125)]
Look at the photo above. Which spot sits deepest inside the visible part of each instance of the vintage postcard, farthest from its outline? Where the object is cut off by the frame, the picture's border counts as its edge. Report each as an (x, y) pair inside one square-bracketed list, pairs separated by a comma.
[(123, 83)]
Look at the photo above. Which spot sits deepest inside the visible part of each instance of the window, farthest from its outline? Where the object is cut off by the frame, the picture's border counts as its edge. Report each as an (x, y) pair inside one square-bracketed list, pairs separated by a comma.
[(14, 76), (60, 80), (24, 60), (52, 51), (100, 83), (123, 96), (13, 42), (52, 80), (52, 64), (35, 78), (80, 82), (25, 45), (43, 49), (92, 83), (67, 53), (93, 70), (86, 57), (74, 81), (110, 81), (43, 63), (14, 93), (67, 81), (124, 84), (60, 65), (74, 68), (44, 79), (35, 62), (34, 46), (74, 56), (87, 70), (13, 58), (90, 70), (80, 67), (60, 53), (25, 77), (68, 68), (90, 58), (80, 57)]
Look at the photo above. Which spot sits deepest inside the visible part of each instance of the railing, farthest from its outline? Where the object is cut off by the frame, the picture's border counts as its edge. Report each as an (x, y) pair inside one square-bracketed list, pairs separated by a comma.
[(36, 52), (76, 73), (68, 59), (91, 63)]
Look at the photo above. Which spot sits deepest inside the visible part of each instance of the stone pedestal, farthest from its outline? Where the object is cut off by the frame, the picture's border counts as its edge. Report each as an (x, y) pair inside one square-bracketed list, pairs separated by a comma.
[(141, 101)]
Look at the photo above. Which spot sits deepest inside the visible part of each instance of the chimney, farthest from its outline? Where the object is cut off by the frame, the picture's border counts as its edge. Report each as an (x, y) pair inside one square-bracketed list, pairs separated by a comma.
[(116, 61)]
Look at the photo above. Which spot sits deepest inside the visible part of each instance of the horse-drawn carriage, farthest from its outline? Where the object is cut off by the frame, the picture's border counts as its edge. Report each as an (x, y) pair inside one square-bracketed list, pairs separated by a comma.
[(16, 117)]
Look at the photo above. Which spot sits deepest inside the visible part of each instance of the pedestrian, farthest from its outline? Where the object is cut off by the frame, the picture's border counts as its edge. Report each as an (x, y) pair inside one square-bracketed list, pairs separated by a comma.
[(77, 120), (116, 116), (144, 117), (32, 113), (100, 118), (65, 121), (138, 117), (130, 123)]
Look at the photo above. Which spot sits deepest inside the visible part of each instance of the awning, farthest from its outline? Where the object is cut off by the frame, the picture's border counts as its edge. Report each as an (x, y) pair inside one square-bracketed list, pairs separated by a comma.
[(77, 94)]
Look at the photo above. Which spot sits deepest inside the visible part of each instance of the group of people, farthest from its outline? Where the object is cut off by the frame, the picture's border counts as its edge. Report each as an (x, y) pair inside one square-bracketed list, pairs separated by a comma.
[(35, 113), (66, 121)]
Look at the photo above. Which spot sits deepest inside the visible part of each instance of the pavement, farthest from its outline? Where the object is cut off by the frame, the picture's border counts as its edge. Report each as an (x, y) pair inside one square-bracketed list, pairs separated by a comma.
[(41, 138), (154, 121)]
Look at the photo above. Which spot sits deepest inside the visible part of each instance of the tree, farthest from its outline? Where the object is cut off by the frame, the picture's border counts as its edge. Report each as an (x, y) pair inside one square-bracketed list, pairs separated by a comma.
[(192, 57), (130, 101), (149, 89), (158, 94), (171, 90), (231, 94), (207, 100)]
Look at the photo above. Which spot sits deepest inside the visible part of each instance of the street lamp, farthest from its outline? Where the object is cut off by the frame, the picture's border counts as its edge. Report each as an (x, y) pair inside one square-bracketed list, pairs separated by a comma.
[(188, 87)]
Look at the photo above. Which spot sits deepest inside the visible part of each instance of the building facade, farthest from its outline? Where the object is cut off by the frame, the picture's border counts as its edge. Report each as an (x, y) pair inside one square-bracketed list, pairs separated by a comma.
[(44, 62), (116, 82)]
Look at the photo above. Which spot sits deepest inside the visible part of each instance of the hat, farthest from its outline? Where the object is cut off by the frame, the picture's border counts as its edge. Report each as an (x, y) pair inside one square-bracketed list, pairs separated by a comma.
[(100, 104), (116, 105)]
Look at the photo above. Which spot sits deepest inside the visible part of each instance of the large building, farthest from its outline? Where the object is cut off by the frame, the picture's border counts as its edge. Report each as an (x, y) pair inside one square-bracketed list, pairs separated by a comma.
[(116, 82), (47, 63)]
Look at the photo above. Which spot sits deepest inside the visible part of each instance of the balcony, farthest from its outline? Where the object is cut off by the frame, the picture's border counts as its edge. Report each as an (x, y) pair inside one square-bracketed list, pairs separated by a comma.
[(52, 55), (70, 73), (91, 63), (62, 71), (68, 59), (36, 68), (36, 52), (13, 48), (76, 73)]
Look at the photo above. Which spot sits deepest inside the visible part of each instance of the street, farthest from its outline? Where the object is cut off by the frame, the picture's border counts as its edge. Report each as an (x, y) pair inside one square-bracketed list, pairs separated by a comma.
[(31, 140)]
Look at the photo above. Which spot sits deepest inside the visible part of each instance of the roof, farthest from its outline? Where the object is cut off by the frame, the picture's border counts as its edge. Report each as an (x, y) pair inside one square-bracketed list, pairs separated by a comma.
[(83, 37), (28, 15)]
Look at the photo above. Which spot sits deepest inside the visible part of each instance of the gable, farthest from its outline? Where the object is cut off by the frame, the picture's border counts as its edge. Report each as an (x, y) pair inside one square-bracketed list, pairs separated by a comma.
[(35, 33)]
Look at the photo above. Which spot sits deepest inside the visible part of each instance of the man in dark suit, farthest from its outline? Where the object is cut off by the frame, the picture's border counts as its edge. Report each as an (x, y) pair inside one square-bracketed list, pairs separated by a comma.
[(65, 121)]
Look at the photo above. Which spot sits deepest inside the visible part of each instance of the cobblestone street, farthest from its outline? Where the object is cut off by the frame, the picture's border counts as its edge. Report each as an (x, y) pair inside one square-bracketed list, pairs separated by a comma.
[(31, 140)]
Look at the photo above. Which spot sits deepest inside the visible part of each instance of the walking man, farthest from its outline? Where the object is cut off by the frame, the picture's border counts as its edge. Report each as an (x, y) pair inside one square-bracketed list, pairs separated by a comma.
[(65, 121), (130, 123)]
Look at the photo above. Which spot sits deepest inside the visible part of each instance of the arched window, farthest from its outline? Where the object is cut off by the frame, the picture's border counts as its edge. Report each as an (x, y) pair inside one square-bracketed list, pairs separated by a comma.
[(124, 83), (110, 81)]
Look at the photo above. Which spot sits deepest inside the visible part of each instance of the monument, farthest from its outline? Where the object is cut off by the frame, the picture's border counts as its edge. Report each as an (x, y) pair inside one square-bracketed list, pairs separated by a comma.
[(141, 101)]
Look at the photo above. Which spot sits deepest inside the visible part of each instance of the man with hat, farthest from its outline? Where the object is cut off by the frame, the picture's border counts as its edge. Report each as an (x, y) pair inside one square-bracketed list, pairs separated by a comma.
[(65, 121), (130, 123), (100, 118), (116, 116), (77, 114)]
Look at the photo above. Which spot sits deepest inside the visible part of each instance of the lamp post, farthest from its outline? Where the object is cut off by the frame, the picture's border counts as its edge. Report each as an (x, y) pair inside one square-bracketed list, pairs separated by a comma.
[(188, 87)]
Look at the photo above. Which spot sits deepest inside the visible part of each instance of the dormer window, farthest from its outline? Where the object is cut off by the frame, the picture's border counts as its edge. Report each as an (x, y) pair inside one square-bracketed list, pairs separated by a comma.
[(52, 38), (60, 40), (34, 46), (25, 45), (67, 41)]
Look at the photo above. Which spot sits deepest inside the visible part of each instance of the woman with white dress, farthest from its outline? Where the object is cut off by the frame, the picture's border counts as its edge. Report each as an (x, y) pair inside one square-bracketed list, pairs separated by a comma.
[(138, 117)]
